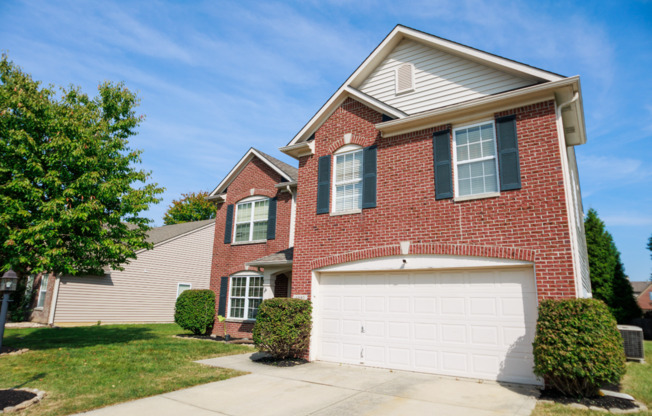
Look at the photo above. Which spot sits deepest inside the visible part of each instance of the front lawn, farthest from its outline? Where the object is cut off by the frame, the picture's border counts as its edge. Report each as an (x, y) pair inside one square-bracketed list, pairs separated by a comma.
[(84, 368), (637, 382)]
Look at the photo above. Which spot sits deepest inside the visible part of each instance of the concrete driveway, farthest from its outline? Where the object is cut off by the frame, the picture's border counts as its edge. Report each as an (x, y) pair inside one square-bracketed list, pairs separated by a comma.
[(322, 389)]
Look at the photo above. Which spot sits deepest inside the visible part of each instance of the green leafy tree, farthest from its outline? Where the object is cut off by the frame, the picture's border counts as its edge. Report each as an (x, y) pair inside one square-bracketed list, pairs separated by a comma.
[(70, 196), (191, 207), (608, 280), (649, 247)]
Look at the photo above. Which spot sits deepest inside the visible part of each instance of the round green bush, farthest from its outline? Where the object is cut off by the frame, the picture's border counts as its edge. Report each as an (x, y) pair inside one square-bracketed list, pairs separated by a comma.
[(195, 311), (577, 347), (283, 327)]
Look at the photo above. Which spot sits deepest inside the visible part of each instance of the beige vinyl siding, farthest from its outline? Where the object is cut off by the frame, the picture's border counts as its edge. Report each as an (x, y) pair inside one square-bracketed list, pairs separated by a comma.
[(440, 79), (146, 290)]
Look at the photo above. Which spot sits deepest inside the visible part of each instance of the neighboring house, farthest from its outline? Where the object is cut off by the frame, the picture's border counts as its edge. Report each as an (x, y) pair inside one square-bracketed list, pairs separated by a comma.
[(437, 203), (145, 291), (643, 294)]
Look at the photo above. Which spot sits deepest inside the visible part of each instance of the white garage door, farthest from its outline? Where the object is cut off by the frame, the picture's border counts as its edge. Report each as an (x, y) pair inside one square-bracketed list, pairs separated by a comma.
[(474, 323)]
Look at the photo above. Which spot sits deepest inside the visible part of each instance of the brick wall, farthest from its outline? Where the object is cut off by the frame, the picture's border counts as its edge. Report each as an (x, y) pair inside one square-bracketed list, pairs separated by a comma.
[(227, 258), (527, 224)]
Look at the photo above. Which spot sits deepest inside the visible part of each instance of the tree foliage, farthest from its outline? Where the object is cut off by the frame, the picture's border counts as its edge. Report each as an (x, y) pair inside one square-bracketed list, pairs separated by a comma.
[(70, 196), (649, 247), (608, 280), (191, 207)]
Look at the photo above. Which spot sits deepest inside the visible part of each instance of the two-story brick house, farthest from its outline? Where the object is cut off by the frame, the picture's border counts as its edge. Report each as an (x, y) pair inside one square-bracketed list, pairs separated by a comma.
[(437, 201)]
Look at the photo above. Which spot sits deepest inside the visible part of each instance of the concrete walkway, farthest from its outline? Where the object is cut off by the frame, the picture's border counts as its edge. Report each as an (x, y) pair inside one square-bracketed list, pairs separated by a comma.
[(322, 389)]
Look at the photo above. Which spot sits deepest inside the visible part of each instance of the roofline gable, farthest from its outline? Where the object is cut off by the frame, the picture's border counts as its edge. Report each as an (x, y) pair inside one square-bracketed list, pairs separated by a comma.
[(248, 157), (381, 51)]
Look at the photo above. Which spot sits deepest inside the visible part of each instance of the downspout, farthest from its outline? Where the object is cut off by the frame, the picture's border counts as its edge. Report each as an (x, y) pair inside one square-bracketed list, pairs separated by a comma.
[(293, 212), (569, 198), (53, 303), (569, 102)]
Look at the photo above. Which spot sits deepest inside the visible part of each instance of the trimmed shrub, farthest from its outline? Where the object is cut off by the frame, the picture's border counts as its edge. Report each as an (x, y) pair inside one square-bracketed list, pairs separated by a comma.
[(577, 347), (283, 327), (195, 311)]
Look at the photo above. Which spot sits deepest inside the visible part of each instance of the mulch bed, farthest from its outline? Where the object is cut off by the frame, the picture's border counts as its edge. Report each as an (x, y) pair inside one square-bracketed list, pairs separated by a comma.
[(606, 402), (220, 339), (277, 362), (13, 397)]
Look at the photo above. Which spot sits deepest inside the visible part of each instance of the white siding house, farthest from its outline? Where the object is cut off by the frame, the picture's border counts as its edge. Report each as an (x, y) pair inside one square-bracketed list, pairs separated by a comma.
[(147, 288)]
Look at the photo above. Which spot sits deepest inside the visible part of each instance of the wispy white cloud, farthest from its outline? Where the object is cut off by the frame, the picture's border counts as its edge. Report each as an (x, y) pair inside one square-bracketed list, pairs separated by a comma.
[(628, 219)]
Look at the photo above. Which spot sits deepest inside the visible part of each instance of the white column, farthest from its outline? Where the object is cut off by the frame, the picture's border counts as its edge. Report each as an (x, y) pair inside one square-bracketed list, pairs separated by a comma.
[(268, 290)]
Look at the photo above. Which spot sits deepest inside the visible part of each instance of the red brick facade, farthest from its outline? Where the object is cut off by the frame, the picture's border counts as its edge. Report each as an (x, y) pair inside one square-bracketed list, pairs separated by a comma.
[(527, 224), (231, 258), (644, 300)]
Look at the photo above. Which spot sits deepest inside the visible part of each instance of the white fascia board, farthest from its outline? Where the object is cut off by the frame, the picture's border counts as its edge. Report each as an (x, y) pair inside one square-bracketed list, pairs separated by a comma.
[(475, 108), (240, 165), (387, 45)]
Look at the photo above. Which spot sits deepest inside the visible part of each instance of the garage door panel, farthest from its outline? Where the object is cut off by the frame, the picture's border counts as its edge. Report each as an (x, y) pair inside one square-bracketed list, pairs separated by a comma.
[(453, 306), (485, 306), (485, 335), (374, 304), (399, 304), (477, 323), (351, 327), (428, 360), (425, 305), (425, 331)]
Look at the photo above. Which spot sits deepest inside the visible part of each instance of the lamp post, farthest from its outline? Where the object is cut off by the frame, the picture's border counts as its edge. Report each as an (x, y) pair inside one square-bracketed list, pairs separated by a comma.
[(8, 283)]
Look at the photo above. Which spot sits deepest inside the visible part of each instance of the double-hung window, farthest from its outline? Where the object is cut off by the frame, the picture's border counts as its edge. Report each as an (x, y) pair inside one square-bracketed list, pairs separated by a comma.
[(245, 297), (476, 165), (251, 220), (347, 182), (43, 290)]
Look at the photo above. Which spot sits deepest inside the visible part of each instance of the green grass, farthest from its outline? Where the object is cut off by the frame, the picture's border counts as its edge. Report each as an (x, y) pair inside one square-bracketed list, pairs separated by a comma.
[(83, 368), (637, 382)]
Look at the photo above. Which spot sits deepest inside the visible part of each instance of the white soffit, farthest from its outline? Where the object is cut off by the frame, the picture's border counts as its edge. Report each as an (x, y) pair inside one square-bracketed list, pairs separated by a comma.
[(389, 43)]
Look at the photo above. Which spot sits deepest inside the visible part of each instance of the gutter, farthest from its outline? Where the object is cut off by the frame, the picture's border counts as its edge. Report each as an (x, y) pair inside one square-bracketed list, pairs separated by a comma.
[(472, 109)]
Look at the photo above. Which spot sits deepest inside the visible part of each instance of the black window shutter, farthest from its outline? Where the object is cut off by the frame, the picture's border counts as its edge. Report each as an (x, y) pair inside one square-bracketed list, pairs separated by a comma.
[(441, 151), (224, 291), (323, 184), (508, 160), (271, 219), (228, 227), (369, 177)]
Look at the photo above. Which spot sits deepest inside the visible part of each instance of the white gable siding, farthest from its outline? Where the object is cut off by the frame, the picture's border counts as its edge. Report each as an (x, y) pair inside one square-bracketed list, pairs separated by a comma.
[(440, 79), (146, 290)]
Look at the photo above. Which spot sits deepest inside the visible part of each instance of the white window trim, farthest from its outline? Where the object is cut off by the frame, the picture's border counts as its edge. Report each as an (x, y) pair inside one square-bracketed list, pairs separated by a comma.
[(495, 157), (250, 200), (246, 297), (344, 150), (41, 292), (184, 284), (396, 90)]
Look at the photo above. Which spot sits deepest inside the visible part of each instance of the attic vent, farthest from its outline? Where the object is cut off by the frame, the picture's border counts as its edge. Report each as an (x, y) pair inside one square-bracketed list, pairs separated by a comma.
[(404, 78)]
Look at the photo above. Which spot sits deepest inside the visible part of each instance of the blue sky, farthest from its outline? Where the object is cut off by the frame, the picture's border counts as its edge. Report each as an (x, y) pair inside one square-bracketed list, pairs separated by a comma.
[(217, 77)]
